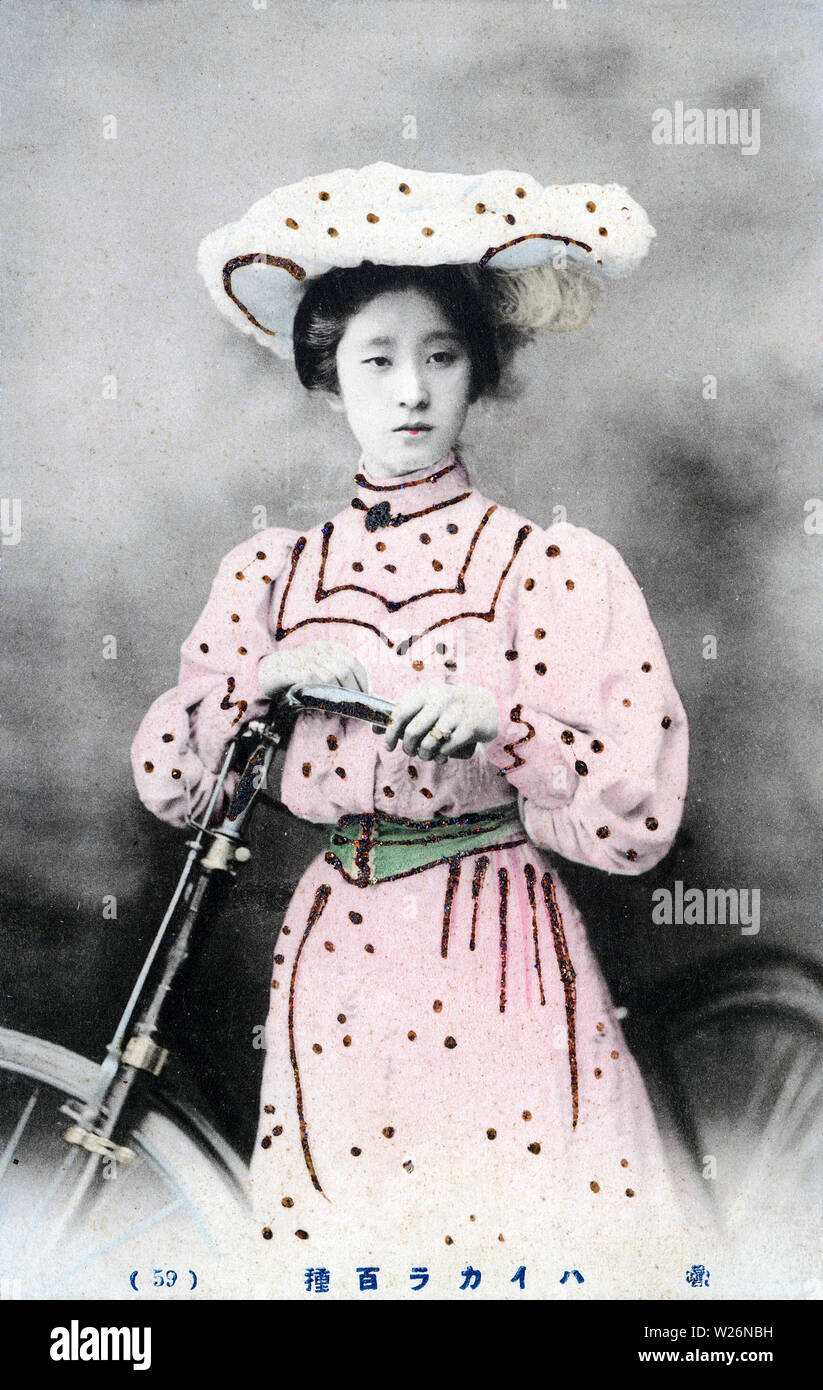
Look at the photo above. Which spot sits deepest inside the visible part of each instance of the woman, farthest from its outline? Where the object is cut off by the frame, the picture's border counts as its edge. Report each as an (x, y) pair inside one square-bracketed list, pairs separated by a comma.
[(446, 1084)]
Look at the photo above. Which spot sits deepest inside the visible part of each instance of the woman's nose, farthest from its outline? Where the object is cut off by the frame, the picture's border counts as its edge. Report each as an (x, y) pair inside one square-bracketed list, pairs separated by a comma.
[(412, 391)]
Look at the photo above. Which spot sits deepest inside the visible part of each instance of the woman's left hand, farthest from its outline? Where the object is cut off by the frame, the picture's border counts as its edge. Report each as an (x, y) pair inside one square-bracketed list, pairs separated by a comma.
[(438, 721)]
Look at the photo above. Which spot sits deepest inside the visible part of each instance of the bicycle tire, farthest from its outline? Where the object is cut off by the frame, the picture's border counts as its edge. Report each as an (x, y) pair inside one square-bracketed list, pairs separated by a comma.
[(202, 1174)]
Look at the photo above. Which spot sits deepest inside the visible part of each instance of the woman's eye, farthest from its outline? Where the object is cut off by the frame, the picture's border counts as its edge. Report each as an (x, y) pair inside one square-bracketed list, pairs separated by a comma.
[(377, 361), (444, 358)]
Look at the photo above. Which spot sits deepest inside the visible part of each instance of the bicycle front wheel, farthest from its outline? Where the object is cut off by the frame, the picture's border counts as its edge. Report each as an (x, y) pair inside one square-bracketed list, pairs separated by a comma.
[(162, 1225)]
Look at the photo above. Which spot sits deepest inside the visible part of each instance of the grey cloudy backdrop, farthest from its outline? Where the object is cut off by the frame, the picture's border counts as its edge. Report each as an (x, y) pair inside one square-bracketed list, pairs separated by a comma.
[(129, 504)]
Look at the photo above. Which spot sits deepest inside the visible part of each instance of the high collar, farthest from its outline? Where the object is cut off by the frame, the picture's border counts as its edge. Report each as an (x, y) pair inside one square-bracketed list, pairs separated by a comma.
[(425, 487)]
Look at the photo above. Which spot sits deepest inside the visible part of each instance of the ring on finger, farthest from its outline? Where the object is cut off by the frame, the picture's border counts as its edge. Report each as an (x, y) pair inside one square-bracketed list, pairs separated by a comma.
[(438, 734)]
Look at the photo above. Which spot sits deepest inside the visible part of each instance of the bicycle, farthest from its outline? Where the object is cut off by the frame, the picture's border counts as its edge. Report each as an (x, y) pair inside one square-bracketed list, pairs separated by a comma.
[(90, 1209), (135, 1162)]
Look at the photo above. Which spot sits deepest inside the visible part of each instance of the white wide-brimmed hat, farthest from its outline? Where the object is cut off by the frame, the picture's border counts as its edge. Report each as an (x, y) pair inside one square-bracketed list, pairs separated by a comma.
[(256, 269)]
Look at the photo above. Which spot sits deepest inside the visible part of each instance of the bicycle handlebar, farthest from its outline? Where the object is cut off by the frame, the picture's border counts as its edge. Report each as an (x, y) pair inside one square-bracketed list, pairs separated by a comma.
[(332, 699)]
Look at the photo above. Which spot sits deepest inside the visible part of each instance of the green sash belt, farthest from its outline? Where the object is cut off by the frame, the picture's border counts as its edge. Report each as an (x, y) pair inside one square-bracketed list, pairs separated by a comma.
[(369, 849)]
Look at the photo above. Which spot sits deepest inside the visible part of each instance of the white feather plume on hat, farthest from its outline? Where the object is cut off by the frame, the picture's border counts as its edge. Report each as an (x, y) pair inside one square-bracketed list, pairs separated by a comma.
[(256, 268)]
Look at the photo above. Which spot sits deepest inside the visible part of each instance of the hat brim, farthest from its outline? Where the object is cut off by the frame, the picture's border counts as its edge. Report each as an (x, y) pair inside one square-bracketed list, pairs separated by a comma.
[(256, 269)]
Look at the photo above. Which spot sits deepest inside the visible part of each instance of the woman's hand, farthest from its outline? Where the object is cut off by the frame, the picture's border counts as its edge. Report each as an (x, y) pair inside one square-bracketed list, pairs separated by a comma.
[(312, 663), (466, 714)]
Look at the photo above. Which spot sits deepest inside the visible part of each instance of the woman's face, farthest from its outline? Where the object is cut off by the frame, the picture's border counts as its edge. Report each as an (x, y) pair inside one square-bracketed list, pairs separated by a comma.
[(405, 380)]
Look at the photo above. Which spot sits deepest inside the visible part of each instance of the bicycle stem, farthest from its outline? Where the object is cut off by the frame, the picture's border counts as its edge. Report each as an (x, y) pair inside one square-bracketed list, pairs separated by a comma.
[(133, 1053)]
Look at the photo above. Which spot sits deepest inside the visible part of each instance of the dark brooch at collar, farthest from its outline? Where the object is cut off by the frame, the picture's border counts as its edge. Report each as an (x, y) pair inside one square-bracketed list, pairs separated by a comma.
[(379, 515)]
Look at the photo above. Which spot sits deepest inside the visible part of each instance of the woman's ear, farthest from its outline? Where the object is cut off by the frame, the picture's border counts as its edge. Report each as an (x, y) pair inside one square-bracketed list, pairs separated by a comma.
[(333, 400)]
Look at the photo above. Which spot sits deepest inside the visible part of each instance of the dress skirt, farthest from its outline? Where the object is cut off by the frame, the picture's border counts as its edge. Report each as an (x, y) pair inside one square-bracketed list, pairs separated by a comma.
[(446, 1084)]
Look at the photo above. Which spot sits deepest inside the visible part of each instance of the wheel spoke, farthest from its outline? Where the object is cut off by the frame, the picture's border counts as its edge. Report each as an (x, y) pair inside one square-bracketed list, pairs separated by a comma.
[(69, 1159), (11, 1147), (106, 1249)]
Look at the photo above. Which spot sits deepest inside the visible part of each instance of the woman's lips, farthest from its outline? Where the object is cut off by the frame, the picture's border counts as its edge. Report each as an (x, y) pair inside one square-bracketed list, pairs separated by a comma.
[(413, 429)]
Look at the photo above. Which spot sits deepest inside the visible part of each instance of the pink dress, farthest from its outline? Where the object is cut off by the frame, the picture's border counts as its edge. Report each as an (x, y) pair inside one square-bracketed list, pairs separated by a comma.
[(446, 1082)]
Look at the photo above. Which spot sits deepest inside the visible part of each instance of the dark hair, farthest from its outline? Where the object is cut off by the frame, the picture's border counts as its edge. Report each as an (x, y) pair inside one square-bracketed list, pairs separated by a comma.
[(332, 299)]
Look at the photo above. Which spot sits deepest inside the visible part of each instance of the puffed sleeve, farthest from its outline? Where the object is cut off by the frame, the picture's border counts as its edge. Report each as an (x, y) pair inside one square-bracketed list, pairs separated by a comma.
[(179, 745), (593, 734)]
